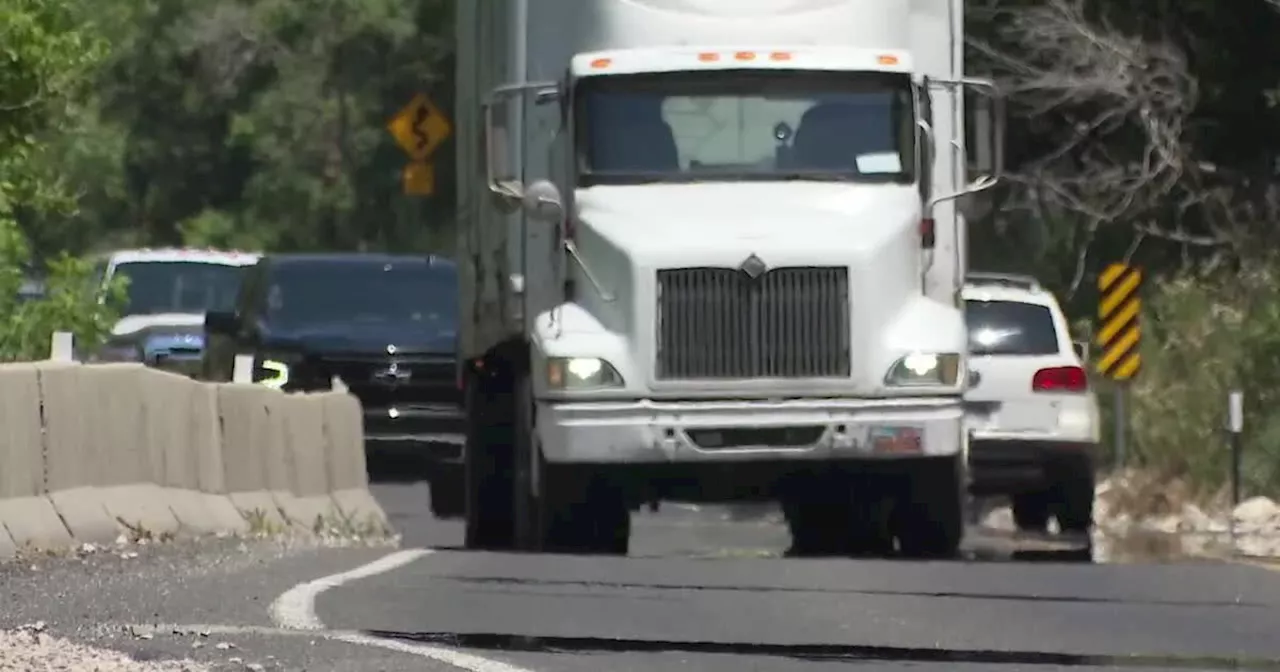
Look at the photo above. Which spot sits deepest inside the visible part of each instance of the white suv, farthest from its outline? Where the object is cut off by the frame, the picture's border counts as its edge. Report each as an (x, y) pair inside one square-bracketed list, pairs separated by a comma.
[(1033, 419)]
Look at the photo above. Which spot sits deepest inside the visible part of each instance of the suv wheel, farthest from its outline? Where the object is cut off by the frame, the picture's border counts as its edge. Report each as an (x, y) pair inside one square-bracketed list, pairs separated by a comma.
[(1031, 511), (1073, 497)]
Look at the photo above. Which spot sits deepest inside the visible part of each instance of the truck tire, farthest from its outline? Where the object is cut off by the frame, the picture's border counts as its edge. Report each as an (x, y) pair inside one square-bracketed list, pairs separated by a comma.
[(448, 497), (836, 515), (1031, 511), (488, 467), (566, 508), (584, 514), (929, 516)]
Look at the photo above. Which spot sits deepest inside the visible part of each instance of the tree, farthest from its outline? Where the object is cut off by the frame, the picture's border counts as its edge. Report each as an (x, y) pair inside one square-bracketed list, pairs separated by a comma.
[(48, 53)]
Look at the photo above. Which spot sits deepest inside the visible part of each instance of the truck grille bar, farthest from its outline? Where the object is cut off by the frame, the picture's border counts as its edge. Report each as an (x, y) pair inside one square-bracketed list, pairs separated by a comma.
[(721, 323)]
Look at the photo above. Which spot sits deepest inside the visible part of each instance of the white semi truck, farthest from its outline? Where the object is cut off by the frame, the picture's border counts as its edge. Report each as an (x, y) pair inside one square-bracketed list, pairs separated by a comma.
[(712, 250)]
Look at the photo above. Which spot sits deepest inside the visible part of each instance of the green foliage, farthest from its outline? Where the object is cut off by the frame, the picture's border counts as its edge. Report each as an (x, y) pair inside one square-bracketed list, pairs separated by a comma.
[(73, 301), (1207, 333), (45, 57)]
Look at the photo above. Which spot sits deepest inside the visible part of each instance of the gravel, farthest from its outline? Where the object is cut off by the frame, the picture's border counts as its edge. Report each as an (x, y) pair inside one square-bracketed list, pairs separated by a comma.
[(30, 649)]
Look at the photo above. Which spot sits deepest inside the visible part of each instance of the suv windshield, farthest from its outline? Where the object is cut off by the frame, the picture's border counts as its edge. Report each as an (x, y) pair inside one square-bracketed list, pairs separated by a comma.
[(1010, 328), (355, 291), (746, 125), (178, 286)]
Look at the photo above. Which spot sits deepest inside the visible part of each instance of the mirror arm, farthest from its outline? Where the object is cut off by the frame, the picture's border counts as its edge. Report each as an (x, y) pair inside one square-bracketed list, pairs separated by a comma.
[(572, 248)]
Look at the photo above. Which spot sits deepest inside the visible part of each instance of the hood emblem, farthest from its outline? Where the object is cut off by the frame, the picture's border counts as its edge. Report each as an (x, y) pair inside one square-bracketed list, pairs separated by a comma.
[(391, 349), (393, 375), (753, 266)]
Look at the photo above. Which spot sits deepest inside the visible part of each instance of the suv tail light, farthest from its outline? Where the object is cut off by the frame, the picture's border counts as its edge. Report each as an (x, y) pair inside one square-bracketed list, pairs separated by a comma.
[(1060, 379)]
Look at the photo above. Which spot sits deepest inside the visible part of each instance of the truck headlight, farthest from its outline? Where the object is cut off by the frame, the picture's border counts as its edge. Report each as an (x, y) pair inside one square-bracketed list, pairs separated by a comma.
[(579, 373), (925, 369)]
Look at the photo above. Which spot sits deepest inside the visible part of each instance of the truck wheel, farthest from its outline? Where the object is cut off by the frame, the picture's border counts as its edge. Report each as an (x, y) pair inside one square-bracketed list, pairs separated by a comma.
[(448, 497), (828, 516), (583, 513), (1072, 500), (870, 531), (1031, 511), (929, 518), (488, 468)]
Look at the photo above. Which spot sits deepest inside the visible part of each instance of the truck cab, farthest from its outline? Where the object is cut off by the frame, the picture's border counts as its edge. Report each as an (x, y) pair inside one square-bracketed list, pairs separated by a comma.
[(739, 256)]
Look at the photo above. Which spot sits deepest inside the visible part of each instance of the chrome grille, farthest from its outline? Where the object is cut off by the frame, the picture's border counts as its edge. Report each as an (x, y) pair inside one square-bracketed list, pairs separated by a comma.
[(722, 323)]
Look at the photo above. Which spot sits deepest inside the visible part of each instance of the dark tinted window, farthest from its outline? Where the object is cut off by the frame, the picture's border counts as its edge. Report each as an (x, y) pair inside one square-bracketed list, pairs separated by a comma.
[(329, 291), (179, 286), (1010, 328)]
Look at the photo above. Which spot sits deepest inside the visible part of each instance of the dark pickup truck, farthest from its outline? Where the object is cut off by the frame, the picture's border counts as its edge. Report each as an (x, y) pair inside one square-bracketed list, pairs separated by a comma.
[(385, 325)]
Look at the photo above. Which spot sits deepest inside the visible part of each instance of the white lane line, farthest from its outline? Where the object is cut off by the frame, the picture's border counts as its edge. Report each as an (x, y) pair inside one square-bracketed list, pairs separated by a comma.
[(296, 608), (295, 611)]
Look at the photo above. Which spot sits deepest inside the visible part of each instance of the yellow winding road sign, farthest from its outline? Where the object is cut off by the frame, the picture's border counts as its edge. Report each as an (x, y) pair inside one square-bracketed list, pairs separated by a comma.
[(420, 128), (1119, 314)]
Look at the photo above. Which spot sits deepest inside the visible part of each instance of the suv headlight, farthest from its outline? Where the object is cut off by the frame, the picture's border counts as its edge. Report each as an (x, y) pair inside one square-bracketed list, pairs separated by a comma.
[(925, 369), (581, 373)]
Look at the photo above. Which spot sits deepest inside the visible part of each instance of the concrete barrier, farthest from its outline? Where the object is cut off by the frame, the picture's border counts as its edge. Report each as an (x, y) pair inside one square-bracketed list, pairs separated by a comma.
[(91, 452)]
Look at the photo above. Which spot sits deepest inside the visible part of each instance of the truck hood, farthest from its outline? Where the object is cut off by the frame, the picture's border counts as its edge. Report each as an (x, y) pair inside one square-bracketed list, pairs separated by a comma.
[(135, 323), (371, 338), (679, 224)]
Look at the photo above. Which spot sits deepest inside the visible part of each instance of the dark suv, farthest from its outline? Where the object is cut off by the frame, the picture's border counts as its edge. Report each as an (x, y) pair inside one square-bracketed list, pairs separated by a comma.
[(383, 324)]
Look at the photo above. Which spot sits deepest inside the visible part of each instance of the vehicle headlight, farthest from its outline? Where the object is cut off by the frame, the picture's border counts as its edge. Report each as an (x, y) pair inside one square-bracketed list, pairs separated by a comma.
[(925, 369), (578, 373)]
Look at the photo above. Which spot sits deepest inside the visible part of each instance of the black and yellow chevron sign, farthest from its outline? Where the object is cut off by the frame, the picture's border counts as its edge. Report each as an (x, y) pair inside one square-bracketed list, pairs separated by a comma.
[(1120, 335)]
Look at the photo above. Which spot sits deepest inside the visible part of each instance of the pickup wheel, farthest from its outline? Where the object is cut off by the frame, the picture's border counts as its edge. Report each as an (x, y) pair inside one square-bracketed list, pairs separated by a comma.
[(929, 517), (488, 467)]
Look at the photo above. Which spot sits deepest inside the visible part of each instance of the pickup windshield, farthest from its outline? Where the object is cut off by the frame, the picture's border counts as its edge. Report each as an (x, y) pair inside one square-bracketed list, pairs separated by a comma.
[(746, 125), (178, 286), (355, 291)]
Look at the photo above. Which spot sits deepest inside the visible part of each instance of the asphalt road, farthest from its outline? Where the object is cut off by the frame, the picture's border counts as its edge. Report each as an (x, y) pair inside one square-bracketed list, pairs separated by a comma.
[(701, 591)]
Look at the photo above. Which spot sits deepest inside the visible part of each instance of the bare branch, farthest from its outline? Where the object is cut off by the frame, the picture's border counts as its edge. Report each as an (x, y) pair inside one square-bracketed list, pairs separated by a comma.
[(1117, 106)]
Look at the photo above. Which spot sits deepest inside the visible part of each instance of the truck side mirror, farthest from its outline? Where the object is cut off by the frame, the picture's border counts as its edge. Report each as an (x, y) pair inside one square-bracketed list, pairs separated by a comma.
[(543, 202), (502, 183), (988, 146)]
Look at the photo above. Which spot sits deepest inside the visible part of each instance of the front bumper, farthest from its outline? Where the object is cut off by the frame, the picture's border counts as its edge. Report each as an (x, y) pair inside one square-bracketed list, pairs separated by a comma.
[(434, 432), (187, 365), (1008, 466), (663, 432)]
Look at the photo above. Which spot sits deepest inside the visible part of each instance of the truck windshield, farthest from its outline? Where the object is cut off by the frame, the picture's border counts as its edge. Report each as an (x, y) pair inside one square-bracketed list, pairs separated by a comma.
[(746, 125)]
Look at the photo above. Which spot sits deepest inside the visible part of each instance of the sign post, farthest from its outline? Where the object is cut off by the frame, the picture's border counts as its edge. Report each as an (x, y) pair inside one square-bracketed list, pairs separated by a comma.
[(1235, 426), (1120, 339), (419, 128)]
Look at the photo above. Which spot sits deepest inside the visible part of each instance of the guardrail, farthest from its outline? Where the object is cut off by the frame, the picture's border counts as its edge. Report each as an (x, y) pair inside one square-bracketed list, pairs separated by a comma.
[(92, 451)]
